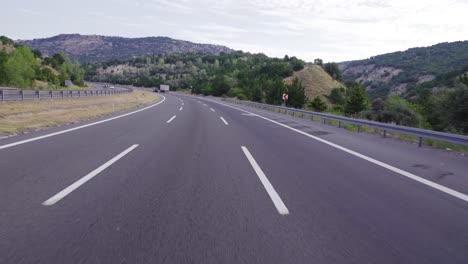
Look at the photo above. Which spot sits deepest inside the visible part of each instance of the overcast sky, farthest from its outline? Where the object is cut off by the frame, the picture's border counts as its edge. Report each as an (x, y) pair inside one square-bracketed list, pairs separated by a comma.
[(328, 29)]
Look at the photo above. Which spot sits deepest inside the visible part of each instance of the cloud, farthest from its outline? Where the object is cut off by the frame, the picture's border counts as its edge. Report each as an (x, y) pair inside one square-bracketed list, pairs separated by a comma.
[(334, 30), (28, 12)]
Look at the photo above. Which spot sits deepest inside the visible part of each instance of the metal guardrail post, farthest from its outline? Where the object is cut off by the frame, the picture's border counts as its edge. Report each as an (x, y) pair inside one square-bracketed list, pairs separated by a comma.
[(38, 95), (51, 94), (1, 94), (359, 128), (22, 95), (385, 133), (79, 93), (61, 92), (339, 124), (420, 142)]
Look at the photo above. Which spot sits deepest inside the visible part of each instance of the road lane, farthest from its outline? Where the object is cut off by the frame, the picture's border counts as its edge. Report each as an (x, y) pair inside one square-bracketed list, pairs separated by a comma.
[(188, 194), (163, 199), (383, 213), (60, 195)]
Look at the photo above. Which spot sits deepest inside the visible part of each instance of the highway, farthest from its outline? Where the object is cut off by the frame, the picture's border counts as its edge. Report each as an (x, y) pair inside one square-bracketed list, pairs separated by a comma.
[(199, 180)]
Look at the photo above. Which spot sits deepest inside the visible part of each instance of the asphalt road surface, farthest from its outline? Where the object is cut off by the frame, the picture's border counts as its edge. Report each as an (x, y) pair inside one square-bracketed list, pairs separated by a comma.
[(197, 180)]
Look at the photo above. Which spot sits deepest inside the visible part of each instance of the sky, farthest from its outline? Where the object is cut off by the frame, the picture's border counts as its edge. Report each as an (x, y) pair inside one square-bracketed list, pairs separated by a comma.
[(328, 29)]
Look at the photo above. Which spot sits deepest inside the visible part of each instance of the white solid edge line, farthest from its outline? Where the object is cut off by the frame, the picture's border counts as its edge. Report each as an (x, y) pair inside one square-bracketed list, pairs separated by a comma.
[(170, 120), (204, 105), (409, 175), (282, 209), (180, 109), (59, 196), (79, 127), (212, 109), (222, 119)]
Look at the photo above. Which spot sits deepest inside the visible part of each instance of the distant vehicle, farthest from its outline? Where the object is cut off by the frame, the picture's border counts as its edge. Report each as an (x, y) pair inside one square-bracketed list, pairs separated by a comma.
[(105, 86), (156, 90), (112, 87), (164, 88)]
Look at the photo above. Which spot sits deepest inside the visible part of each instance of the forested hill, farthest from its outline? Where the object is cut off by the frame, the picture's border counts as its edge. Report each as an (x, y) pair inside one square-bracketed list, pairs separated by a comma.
[(240, 74), (434, 67), (22, 67), (88, 48)]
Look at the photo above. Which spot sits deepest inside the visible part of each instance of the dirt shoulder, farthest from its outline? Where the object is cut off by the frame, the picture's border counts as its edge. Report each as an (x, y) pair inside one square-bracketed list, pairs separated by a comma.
[(17, 117)]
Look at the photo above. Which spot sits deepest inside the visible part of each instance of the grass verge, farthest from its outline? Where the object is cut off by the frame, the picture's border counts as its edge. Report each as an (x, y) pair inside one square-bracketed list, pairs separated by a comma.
[(22, 116)]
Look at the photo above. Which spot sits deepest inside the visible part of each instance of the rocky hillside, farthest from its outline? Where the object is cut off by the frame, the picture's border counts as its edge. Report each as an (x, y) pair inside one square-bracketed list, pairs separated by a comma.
[(401, 72), (88, 48)]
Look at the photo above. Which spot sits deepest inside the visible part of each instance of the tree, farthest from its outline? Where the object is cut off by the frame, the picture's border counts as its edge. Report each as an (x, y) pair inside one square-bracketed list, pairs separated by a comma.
[(37, 53), (256, 93), (337, 96), (296, 94), (398, 111), (318, 62), (21, 67), (296, 64), (46, 74), (454, 109), (6, 41), (274, 90), (317, 104), (76, 73), (463, 78), (3, 74), (220, 85), (357, 100), (58, 59), (333, 70)]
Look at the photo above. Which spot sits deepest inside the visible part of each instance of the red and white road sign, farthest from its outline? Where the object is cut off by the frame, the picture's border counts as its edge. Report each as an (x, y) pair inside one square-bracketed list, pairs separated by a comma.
[(285, 97)]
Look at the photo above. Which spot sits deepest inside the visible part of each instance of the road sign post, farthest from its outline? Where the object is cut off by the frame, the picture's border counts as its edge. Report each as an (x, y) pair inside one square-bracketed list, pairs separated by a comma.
[(285, 98)]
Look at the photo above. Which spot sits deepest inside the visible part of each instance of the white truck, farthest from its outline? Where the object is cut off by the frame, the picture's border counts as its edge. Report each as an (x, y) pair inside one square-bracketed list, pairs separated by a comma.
[(164, 88)]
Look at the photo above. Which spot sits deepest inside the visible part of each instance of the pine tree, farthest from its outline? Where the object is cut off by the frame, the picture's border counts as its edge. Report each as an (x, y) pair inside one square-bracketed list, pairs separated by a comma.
[(317, 104), (297, 97), (357, 100)]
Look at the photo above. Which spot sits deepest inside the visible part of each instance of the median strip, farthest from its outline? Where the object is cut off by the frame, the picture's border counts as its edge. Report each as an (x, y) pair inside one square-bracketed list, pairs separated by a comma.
[(280, 206), (59, 196)]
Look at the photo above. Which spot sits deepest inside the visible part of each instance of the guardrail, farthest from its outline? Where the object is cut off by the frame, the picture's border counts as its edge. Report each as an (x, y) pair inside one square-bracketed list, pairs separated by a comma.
[(21, 95), (418, 132)]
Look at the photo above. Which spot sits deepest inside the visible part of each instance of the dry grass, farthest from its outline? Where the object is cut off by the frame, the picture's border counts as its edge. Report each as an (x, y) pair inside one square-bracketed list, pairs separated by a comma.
[(18, 116), (315, 81)]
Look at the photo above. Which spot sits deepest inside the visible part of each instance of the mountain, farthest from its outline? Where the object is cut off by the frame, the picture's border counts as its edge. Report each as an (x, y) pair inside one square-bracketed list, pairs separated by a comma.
[(435, 67), (89, 48)]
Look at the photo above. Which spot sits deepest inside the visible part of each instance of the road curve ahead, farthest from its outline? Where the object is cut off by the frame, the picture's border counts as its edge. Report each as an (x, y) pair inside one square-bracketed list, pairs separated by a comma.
[(197, 180)]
